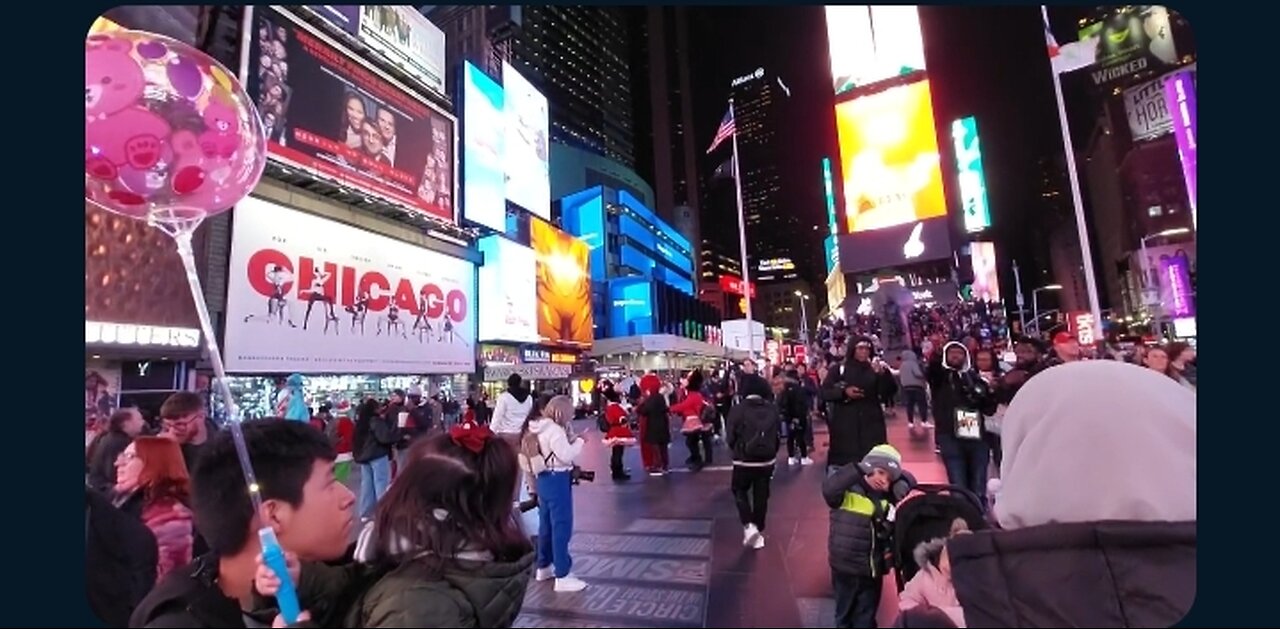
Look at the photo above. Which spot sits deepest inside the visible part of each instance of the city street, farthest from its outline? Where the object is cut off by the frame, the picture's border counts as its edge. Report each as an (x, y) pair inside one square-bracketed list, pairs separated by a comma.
[(667, 552)]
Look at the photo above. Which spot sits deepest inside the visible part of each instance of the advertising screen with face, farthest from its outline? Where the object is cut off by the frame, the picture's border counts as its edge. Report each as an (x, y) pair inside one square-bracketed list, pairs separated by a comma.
[(889, 152), (337, 117), (305, 293), (484, 198), (508, 291), (564, 286), (872, 43), (528, 176)]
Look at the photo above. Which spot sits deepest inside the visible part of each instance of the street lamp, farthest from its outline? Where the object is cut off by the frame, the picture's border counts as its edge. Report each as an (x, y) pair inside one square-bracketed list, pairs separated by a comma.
[(1035, 303), (804, 318), (1150, 296)]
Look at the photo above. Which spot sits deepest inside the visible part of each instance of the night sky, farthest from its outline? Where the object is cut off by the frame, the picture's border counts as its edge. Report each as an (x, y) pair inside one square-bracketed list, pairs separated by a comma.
[(986, 62)]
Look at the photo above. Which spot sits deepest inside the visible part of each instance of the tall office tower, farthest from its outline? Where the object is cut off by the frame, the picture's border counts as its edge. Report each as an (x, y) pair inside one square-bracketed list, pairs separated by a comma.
[(666, 150), (576, 55), (761, 101)]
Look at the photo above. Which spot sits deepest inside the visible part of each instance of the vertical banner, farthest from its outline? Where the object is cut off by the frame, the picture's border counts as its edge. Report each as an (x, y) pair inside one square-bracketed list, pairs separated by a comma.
[(1180, 94), (972, 180), (1175, 286)]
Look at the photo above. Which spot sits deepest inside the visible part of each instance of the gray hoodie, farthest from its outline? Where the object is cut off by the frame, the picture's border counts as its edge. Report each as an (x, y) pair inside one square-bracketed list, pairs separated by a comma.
[(912, 373)]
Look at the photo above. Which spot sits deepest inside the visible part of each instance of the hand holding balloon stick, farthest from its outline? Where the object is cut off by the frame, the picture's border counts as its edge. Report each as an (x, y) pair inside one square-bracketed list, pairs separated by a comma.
[(171, 137)]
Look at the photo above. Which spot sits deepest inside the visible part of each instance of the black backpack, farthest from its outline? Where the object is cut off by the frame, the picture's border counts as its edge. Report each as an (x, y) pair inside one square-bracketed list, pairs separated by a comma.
[(760, 434)]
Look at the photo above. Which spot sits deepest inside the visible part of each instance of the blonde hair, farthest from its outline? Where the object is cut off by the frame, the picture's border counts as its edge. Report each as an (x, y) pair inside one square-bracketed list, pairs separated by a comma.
[(559, 409)]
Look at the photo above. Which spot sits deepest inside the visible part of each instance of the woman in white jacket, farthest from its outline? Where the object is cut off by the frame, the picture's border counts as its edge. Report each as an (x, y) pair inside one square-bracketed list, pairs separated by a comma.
[(549, 451), (511, 408)]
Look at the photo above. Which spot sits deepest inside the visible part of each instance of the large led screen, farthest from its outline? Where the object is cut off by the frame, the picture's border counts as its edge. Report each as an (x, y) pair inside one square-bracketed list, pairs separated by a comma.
[(889, 157), (508, 292), (563, 286), (582, 214), (330, 113), (483, 137), (986, 281), (528, 125), (868, 44)]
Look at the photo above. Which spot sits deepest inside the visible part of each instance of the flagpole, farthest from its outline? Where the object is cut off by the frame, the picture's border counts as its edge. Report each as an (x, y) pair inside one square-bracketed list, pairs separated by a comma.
[(742, 238), (1082, 229)]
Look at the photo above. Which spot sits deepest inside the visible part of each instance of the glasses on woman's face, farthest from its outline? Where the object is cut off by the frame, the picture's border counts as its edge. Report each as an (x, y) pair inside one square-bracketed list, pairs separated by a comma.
[(126, 457)]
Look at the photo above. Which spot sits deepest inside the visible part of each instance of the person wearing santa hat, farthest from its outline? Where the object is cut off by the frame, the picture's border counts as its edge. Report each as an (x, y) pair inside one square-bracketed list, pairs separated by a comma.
[(655, 426)]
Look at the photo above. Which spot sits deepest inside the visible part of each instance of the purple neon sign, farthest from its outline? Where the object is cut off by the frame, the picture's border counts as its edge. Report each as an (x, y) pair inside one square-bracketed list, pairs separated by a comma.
[(1175, 286), (1180, 96)]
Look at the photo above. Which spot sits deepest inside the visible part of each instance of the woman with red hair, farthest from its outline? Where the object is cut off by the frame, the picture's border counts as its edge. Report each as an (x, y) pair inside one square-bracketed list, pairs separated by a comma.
[(152, 483)]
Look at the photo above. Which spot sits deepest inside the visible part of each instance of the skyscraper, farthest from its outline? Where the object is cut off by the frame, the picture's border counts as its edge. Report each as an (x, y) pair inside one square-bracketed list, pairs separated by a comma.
[(575, 55), (760, 102)]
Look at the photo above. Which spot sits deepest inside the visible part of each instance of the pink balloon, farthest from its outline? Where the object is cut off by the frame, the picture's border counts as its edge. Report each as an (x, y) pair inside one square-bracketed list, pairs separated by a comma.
[(168, 130)]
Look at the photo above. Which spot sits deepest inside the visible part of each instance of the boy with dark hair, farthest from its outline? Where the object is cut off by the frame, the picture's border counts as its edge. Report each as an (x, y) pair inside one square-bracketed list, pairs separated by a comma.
[(310, 512), (860, 496)]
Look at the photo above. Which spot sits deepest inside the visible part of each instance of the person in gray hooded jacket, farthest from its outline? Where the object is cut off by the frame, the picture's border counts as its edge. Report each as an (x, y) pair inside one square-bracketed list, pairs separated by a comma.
[(913, 380)]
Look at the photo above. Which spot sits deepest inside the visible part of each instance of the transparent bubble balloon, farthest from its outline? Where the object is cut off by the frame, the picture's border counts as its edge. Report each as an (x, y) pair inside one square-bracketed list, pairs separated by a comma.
[(171, 136)]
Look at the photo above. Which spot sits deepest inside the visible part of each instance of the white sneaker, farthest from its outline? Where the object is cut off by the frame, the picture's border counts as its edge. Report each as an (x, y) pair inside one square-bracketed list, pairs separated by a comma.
[(570, 583), (928, 424), (793, 461), (545, 574), (806, 461), (750, 534), (759, 543)]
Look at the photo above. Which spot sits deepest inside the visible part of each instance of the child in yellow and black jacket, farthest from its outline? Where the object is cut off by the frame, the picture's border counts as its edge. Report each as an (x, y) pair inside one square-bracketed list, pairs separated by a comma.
[(861, 496)]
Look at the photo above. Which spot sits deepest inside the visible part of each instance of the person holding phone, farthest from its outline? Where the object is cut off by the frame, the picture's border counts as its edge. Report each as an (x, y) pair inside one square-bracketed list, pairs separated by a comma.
[(857, 423)]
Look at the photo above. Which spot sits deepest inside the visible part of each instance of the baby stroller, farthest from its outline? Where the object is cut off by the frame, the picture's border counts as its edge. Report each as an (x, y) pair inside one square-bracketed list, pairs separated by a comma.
[(927, 513)]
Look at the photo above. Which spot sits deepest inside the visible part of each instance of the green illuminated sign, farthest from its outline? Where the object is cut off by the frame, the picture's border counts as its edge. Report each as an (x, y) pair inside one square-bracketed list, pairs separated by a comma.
[(831, 194), (973, 184)]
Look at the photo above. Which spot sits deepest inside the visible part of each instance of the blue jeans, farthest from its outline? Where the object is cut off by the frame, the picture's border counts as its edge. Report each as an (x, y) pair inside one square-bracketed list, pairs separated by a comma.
[(374, 478), (555, 521), (914, 398), (966, 461)]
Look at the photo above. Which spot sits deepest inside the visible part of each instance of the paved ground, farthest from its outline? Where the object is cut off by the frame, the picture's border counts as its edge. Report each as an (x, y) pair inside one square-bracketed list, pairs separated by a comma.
[(667, 552)]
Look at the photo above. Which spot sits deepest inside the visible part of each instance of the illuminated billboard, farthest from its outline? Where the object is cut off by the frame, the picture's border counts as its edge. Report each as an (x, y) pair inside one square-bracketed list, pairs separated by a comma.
[(889, 157), (582, 214), (972, 180), (563, 285), (528, 179), (986, 280), (508, 292), (868, 44), (483, 196)]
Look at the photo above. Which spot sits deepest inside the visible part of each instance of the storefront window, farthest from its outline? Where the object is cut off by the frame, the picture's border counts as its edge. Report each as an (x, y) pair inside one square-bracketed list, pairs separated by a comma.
[(256, 395)]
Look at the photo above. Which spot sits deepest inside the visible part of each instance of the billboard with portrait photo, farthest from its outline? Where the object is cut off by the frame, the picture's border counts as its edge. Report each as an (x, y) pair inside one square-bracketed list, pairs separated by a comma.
[(528, 126), (340, 119), (564, 286), (889, 153)]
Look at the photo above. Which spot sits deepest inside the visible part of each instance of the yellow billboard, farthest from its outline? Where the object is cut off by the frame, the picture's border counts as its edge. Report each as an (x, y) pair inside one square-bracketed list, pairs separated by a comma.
[(891, 164)]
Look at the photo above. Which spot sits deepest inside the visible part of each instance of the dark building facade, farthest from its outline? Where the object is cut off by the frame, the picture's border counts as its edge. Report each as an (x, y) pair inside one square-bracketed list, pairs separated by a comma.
[(578, 56)]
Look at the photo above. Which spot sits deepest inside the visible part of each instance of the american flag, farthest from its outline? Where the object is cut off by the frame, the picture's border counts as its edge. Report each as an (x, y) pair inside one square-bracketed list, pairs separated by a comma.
[(1072, 56), (724, 132)]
